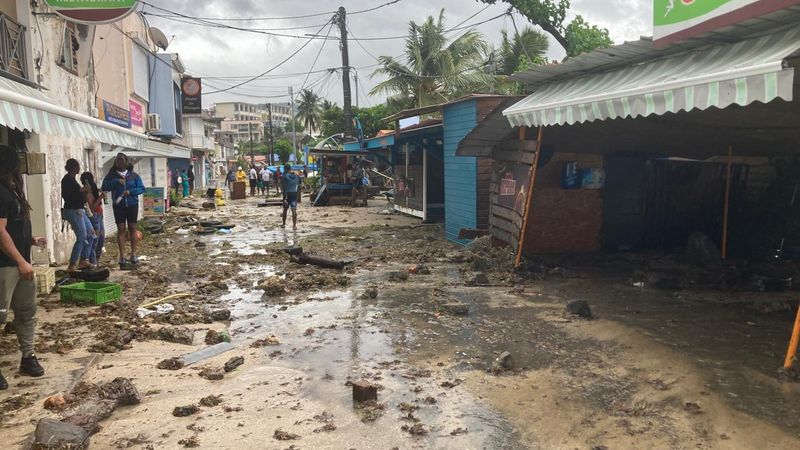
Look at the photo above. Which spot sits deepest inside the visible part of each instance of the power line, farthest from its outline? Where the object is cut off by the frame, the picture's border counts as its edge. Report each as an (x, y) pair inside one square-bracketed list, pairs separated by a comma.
[(321, 47), (306, 16), (173, 16), (270, 70), (373, 9)]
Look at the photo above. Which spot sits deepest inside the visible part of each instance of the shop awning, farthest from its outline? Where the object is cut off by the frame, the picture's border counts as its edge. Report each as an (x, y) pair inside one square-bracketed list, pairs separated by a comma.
[(25, 108), (719, 75), (151, 149)]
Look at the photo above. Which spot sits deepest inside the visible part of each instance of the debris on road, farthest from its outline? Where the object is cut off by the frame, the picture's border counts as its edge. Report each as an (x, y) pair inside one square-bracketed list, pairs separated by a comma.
[(233, 363), (171, 364), (211, 401), (271, 341), (184, 411), (212, 374), (176, 335), (455, 309), (284, 436), (503, 362), (364, 391), (579, 308), (53, 434)]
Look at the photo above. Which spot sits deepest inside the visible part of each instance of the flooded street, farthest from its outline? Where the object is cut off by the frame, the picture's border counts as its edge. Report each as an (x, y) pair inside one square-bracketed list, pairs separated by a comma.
[(409, 315)]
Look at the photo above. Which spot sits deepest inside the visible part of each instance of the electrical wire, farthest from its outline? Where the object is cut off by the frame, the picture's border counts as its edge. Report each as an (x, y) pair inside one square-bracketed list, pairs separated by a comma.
[(284, 61), (321, 47), (374, 8), (258, 19), (304, 27)]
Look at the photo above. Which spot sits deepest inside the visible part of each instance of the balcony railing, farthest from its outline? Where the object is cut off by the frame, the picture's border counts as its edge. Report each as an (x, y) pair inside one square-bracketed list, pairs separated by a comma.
[(12, 47)]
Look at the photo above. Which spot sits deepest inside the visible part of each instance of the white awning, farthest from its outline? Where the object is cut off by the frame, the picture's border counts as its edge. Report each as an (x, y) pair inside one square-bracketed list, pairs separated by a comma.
[(712, 76), (151, 149), (25, 108)]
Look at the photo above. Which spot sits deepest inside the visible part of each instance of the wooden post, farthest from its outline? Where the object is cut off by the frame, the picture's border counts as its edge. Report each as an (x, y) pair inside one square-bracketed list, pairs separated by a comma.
[(529, 198), (793, 343), (727, 204)]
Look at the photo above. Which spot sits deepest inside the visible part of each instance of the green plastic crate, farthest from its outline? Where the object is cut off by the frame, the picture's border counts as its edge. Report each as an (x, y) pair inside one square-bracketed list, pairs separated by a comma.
[(92, 293)]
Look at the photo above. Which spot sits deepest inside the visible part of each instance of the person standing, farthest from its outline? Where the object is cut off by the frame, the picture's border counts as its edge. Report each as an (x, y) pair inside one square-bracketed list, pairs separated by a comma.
[(17, 284), (125, 186), (265, 179), (185, 183), (94, 199), (190, 177), (291, 185), (278, 180), (74, 212), (230, 179), (253, 176)]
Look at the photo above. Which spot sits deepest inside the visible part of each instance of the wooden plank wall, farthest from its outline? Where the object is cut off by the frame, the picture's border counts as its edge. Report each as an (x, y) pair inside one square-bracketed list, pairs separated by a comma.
[(505, 220)]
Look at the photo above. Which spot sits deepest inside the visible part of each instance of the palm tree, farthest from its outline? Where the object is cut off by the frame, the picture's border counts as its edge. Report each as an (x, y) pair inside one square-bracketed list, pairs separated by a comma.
[(530, 46), (308, 109), (437, 69), (327, 105)]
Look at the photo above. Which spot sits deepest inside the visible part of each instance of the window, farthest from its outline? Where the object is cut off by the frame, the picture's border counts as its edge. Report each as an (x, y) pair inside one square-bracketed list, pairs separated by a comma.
[(69, 48), (178, 114), (141, 73)]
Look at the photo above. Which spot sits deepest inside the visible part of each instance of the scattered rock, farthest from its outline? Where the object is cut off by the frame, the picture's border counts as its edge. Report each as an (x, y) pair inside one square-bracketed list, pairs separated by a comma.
[(122, 390), (212, 374), (233, 363), (429, 401), (364, 391), (420, 270), (451, 384), (417, 429), (371, 410), (456, 309), (220, 315), (190, 442), (478, 279), (284, 436), (273, 286), (407, 407), (293, 251), (692, 408), (272, 340), (209, 205), (89, 414), (503, 362), (398, 276), (176, 335), (370, 293), (211, 401), (185, 411), (308, 332), (171, 364), (458, 431), (214, 338), (327, 428), (52, 434), (579, 308)]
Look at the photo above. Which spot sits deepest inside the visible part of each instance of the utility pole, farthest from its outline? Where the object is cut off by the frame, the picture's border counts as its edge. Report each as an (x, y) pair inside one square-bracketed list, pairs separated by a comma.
[(341, 17), (355, 77), (271, 137), (294, 135), (252, 155)]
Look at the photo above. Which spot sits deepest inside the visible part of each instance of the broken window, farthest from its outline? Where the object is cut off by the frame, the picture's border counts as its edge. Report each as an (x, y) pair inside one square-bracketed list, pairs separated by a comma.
[(69, 48)]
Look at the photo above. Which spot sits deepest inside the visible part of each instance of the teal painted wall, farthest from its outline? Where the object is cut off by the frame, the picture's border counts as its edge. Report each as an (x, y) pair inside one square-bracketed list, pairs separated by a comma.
[(460, 173)]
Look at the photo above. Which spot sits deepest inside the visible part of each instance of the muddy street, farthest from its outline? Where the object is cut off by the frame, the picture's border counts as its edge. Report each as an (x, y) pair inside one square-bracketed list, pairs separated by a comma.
[(418, 321)]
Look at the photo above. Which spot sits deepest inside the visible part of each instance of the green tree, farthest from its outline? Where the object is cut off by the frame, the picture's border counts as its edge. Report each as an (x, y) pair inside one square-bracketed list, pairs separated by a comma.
[(437, 70), (372, 119), (332, 122), (308, 109), (327, 104), (575, 37), (529, 46), (283, 148), (298, 126)]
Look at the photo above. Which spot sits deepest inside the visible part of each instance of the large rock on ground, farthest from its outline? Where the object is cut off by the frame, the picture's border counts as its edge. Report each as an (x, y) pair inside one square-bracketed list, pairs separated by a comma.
[(176, 335), (51, 434), (579, 308)]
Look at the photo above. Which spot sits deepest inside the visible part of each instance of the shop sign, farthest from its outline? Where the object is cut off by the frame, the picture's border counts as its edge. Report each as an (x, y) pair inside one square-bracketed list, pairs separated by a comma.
[(154, 204), (117, 115), (192, 95), (136, 110), (93, 11), (675, 20)]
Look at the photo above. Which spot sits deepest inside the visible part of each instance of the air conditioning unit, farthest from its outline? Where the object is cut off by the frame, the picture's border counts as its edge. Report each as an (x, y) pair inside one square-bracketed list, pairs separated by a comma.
[(153, 122)]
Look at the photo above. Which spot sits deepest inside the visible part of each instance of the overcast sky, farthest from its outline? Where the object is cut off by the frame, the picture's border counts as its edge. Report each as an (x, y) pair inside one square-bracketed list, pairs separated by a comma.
[(212, 52)]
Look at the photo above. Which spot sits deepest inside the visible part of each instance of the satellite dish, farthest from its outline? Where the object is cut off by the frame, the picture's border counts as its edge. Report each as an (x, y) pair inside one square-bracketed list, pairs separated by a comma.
[(159, 38)]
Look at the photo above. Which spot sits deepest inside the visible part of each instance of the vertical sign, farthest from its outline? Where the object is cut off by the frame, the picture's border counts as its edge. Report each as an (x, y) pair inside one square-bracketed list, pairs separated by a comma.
[(137, 118), (192, 98)]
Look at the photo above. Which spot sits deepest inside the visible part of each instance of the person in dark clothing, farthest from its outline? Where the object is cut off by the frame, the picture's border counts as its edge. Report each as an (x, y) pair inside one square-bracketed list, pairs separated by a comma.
[(17, 285), (94, 200), (74, 212), (230, 179), (190, 176), (125, 186)]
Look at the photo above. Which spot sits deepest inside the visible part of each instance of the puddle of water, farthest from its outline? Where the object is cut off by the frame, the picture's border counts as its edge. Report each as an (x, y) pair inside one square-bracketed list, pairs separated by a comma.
[(354, 339), (251, 241)]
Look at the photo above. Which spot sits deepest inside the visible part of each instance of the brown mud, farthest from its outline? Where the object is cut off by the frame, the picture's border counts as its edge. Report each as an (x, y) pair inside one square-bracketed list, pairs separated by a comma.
[(424, 321)]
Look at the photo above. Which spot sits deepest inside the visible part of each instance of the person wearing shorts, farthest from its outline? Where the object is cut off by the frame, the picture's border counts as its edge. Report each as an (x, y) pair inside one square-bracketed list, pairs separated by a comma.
[(291, 191), (125, 186)]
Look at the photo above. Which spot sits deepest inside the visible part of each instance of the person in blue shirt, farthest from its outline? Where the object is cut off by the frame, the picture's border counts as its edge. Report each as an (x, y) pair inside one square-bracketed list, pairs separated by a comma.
[(291, 191), (125, 186)]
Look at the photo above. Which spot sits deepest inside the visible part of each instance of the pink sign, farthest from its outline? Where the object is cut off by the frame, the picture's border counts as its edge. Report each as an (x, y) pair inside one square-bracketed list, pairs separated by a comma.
[(136, 113)]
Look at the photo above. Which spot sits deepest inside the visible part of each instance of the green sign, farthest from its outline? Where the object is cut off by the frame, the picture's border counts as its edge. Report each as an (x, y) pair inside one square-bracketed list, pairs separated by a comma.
[(674, 20), (93, 11)]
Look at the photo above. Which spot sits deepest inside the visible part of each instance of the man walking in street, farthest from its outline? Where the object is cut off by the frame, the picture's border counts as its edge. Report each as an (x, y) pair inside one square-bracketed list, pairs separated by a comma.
[(291, 186), (253, 175), (17, 285)]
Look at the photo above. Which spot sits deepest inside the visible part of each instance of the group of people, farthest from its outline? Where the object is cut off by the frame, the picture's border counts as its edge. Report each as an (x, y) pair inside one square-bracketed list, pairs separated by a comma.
[(259, 178), (287, 184), (83, 211), (183, 181)]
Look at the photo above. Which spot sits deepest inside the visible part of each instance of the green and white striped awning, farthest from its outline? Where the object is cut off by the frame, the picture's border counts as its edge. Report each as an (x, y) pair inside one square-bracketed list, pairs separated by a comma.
[(717, 76), (25, 108)]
